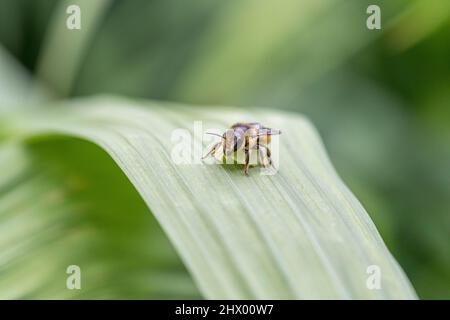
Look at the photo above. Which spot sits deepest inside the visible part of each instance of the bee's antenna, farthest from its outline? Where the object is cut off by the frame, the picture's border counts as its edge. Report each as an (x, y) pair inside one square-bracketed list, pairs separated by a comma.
[(214, 134)]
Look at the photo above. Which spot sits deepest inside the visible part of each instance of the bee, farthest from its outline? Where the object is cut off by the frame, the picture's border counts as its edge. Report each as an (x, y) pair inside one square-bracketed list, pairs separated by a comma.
[(247, 136)]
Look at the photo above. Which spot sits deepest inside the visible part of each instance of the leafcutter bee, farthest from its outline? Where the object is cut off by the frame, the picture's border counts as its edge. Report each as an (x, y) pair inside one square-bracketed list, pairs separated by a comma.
[(246, 136)]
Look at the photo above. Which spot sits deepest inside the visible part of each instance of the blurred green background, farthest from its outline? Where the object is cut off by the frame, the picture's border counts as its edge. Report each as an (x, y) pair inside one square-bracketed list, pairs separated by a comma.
[(379, 98)]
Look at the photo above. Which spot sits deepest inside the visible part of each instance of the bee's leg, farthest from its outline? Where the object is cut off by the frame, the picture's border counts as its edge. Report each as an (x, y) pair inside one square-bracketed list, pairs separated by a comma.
[(263, 158), (247, 161), (213, 150), (265, 155), (269, 155), (247, 155)]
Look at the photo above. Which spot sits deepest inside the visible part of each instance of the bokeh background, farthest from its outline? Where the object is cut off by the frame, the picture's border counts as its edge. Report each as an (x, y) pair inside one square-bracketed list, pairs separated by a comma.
[(379, 98)]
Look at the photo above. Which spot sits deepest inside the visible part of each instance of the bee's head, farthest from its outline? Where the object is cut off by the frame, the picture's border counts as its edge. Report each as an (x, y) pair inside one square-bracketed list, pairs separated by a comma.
[(232, 140), (228, 142)]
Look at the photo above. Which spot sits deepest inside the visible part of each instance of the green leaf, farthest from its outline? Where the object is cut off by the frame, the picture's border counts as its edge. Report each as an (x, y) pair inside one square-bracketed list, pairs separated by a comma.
[(57, 209), (56, 212), (297, 234)]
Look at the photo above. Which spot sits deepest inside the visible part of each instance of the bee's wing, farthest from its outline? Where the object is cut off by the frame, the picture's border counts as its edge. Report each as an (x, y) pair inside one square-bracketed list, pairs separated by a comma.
[(246, 125), (268, 131)]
